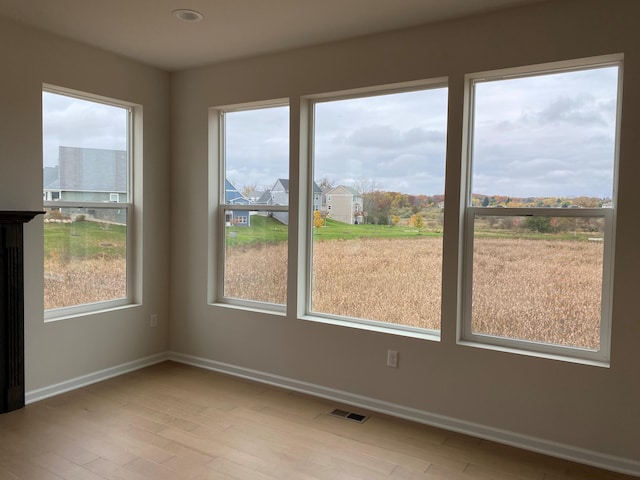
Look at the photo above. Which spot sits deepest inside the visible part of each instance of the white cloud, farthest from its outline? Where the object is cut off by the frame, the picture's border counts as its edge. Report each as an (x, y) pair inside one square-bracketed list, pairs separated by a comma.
[(73, 122), (398, 141), (550, 135)]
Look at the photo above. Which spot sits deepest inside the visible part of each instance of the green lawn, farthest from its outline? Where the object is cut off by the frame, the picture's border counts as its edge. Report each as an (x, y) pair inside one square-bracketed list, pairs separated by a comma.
[(84, 239), (268, 230), (336, 230), (262, 230), (92, 239)]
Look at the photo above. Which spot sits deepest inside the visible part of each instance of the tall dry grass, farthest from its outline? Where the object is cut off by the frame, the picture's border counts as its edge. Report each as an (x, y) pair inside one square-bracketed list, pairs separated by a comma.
[(537, 290), (257, 273), (69, 282), (394, 281), (540, 290), (390, 280)]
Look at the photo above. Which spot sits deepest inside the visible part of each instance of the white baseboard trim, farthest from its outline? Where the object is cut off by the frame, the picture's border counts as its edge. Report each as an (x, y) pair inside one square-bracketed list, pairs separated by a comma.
[(567, 452), (75, 383)]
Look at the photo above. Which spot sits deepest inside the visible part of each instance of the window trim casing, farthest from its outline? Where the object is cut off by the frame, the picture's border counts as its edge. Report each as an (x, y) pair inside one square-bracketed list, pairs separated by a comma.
[(464, 335), (133, 246)]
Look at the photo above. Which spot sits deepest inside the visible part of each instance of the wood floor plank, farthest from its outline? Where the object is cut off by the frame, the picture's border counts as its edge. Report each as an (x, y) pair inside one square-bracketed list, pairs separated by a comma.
[(325, 442), (112, 471), (64, 468), (172, 421)]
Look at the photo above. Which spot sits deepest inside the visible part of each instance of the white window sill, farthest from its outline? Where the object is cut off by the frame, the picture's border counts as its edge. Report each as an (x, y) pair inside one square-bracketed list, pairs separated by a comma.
[(392, 329)]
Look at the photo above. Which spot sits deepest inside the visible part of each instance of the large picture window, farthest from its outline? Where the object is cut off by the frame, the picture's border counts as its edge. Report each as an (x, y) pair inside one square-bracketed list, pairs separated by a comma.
[(87, 200), (253, 205), (540, 209), (378, 208)]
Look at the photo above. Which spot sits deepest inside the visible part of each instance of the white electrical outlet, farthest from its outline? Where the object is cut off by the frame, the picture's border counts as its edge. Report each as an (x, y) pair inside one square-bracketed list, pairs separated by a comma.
[(392, 358), (153, 320)]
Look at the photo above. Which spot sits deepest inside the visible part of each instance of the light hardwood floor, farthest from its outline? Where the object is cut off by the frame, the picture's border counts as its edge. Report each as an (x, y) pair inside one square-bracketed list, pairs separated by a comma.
[(172, 421)]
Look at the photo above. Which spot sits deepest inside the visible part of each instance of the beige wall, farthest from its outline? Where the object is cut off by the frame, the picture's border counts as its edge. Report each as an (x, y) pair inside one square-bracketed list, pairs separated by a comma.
[(584, 407), (66, 349)]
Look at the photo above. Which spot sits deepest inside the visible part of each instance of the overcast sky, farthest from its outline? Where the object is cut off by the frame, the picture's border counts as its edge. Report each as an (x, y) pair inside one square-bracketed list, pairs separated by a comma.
[(72, 122), (548, 135)]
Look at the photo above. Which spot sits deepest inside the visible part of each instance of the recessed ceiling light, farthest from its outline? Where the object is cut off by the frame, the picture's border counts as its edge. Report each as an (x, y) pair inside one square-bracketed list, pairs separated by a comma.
[(188, 15)]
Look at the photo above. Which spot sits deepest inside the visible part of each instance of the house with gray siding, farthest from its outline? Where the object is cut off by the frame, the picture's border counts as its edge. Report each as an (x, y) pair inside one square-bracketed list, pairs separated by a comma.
[(279, 195), (87, 175)]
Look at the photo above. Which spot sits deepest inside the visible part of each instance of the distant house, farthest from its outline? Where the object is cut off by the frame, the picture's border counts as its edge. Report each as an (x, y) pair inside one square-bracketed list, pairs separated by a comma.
[(264, 198), (279, 195), (280, 192), (87, 175), (232, 196), (323, 199), (344, 204), (51, 182), (317, 197)]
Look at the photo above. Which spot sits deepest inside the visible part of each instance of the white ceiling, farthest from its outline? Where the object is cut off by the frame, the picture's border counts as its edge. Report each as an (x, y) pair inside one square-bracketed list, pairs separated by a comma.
[(145, 30)]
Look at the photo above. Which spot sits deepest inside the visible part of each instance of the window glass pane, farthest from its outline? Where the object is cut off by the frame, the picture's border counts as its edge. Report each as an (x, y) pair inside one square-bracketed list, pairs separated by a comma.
[(257, 173), (378, 198), (545, 140), (85, 256), (85, 145), (538, 278), (85, 159), (256, 257)]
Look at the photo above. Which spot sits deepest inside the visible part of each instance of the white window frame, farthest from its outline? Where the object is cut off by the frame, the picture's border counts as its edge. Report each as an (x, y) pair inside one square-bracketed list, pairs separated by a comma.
[(220, 209), (307, 313), (133, 111), (469, 212)]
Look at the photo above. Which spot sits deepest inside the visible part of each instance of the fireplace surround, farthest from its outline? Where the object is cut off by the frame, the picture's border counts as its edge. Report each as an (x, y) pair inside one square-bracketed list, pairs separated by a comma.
[(12, 308)]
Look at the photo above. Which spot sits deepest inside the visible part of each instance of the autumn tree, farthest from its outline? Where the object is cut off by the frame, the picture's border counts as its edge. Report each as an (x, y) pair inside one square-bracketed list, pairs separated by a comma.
[(318, 221), (417, 221)]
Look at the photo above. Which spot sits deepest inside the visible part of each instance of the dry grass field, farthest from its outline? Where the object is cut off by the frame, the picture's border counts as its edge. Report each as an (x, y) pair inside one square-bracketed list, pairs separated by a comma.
[(539, 290), (390, 280), (81, 281), (550, 292), (257, 273)]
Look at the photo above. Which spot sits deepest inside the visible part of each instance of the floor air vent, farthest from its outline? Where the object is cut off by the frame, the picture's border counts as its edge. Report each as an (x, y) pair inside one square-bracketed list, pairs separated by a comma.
[(354, 417)]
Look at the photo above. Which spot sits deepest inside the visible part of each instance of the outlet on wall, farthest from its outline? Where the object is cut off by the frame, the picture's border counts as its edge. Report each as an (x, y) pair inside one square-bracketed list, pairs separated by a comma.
[(392, 358), (153, 320)]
